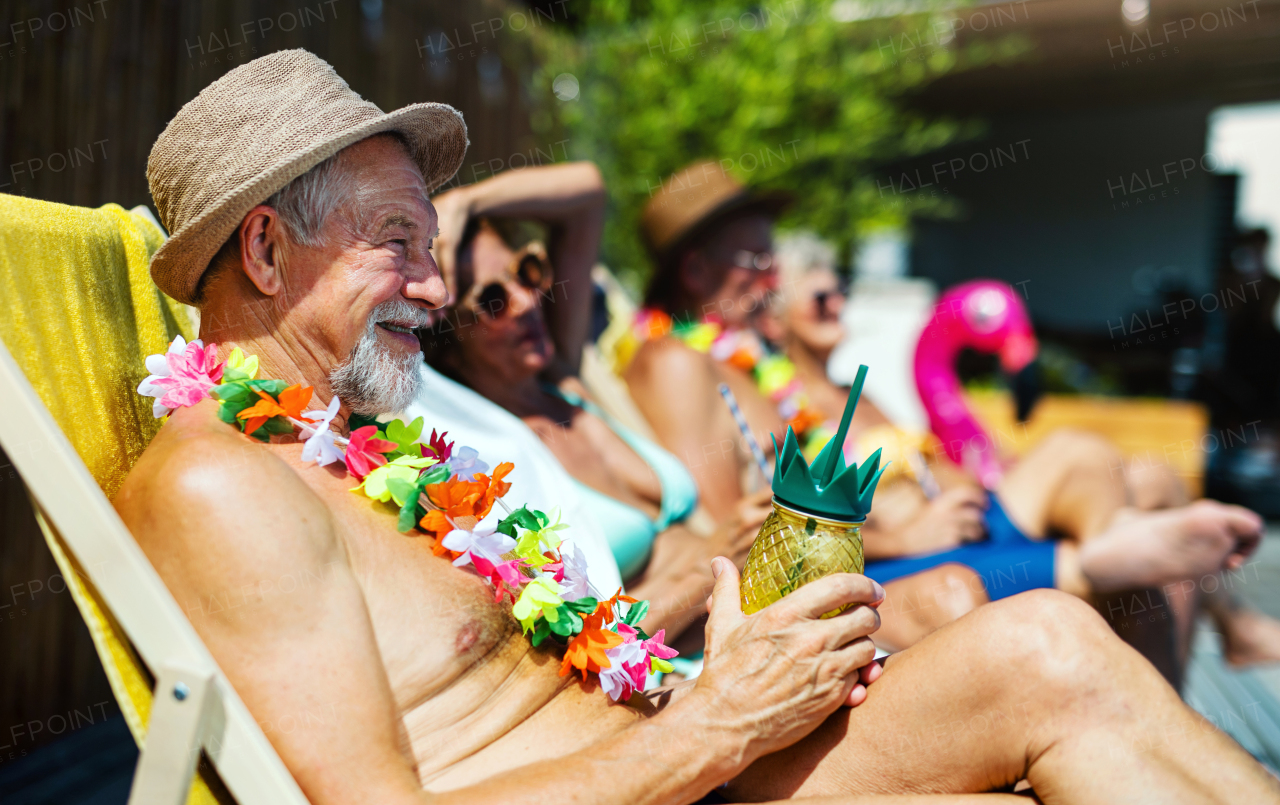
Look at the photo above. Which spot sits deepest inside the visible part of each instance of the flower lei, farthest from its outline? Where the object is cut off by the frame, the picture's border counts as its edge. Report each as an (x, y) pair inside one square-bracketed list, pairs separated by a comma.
[(775, 374), (442, 492)]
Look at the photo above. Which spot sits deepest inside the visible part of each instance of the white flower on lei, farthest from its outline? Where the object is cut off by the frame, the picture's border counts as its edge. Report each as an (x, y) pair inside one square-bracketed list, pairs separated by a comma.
[(466, 464), (320, 446), (485, 544), (620, 679)]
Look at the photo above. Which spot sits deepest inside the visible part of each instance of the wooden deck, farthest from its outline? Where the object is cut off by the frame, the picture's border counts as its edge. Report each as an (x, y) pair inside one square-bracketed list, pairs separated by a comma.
[(1245, 704)]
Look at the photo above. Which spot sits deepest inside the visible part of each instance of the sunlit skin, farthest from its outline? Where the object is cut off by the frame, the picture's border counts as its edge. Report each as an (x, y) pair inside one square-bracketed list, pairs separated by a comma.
[(399, 671)]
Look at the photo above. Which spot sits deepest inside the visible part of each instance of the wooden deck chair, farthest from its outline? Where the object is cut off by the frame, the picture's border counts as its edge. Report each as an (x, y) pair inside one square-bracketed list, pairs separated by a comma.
[(80, 313)]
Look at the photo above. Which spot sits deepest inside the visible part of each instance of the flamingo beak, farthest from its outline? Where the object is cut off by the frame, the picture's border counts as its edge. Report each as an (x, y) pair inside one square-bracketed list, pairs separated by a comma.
[(1018, 359), (1017, 352)]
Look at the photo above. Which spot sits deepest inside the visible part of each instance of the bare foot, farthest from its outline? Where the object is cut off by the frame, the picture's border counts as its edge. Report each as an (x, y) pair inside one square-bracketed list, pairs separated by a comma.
[(1249, 637), (1151, 549)]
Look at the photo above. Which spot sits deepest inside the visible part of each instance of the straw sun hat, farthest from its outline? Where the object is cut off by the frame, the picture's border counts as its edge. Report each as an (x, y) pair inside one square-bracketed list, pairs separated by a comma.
[(259, 127), (693, 201)]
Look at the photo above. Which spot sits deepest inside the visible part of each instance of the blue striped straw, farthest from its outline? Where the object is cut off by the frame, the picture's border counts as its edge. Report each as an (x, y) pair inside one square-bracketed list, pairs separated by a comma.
[(756, 452)]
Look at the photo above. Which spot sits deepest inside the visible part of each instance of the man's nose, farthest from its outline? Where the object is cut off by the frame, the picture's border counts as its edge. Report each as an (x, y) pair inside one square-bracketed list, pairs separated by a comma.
[(422, 280)]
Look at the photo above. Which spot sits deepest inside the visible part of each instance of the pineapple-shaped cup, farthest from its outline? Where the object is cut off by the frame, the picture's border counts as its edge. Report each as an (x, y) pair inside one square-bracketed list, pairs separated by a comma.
[(815, 528)]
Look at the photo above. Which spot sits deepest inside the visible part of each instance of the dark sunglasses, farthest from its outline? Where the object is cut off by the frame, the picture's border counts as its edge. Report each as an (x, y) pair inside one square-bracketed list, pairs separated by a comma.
[(529, 269), (823, 299)]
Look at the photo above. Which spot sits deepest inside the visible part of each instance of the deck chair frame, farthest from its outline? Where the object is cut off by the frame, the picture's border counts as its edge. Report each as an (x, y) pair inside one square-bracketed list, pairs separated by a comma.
[(195, 708)]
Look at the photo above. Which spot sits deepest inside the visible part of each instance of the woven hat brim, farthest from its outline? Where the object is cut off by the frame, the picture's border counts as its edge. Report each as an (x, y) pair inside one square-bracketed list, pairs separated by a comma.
[(437, 138), (771, 202)]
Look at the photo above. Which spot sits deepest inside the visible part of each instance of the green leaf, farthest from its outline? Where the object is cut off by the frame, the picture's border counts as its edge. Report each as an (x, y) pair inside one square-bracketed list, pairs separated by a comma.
[(436, 474), (405, 436), (540, 631), (636, 613), (523, 517), (568, 623), (583, 605), (401, 491), (358, 421)]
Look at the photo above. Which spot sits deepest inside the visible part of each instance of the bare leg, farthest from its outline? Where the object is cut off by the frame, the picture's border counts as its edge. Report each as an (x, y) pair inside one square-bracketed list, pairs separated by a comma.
[(1155, 486), (1072, 483), (1036, 687), (917, 605), (1248, 636)]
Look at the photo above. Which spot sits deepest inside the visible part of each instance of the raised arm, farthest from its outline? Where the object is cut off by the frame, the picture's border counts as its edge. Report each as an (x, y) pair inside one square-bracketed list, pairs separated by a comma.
[(223, 529), (569, 198)]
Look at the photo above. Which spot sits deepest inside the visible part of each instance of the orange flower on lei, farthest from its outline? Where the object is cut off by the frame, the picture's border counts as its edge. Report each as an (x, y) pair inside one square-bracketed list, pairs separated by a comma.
[(457, 500), (586, 650), (293, 401)]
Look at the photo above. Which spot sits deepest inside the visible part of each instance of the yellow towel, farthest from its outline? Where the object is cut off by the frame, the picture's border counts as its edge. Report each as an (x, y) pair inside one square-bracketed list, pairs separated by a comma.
[(80, 313)]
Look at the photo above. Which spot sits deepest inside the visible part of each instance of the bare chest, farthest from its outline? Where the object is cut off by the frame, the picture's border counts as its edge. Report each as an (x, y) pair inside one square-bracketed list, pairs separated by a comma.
[(461, 672)]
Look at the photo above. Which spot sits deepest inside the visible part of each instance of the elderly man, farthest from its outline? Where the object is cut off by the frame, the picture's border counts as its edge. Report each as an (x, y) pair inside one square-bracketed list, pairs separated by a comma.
[(428, 690)]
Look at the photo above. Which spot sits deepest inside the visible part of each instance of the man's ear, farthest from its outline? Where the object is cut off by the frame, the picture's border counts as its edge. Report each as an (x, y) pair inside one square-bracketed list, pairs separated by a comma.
[(261, 239)]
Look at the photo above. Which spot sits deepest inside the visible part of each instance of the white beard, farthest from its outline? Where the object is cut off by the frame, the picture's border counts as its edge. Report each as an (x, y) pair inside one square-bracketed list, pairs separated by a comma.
[(373, 380)]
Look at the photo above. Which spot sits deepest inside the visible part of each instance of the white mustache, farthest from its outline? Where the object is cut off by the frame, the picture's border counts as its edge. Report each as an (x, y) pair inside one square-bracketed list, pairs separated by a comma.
[(399, 312)]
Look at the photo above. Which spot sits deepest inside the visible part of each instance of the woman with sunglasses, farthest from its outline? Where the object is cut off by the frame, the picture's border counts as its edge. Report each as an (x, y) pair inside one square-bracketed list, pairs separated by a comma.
[(515, 335)]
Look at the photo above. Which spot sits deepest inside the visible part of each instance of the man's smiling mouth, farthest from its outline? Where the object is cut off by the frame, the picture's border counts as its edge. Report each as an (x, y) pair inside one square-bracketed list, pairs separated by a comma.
[(397, 327)]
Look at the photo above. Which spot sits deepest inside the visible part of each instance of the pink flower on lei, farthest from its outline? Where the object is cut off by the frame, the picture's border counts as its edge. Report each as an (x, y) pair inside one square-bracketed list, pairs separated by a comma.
[(627, 671), (631, 663), (655, 648), (182, 376), (364, 452), (484, 550)]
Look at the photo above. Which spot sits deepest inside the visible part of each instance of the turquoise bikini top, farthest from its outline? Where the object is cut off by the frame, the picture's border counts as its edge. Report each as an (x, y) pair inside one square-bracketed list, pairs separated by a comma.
[(629, 531)]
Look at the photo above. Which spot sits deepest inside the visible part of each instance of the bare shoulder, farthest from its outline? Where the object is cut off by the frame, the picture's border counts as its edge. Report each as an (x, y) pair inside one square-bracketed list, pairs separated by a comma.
[(205, 501), (673, 363)]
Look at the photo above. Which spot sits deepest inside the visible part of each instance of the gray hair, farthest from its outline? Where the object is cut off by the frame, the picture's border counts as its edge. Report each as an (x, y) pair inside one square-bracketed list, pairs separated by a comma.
[(304, 205), (798, 253), (307, 202)]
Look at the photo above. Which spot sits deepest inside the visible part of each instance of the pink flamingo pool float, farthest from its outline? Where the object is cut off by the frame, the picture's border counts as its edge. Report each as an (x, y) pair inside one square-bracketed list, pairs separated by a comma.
[(987, 316)]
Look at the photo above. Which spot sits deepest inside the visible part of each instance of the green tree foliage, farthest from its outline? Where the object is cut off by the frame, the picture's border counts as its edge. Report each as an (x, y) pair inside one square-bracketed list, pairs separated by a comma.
[(804, 95)]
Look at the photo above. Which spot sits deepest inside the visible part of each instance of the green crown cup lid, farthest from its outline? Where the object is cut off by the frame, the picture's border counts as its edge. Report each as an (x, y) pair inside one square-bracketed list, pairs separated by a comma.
[(828, 488)]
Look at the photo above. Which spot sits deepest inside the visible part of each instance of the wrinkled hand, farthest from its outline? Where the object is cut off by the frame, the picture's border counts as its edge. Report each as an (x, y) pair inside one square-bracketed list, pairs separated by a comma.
[(950, 519), (733, 539), (772, 677), (452, 211)]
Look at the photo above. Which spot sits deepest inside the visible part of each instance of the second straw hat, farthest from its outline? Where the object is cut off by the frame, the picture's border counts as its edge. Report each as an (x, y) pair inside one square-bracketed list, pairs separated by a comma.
[(693, 200), (259, 127)]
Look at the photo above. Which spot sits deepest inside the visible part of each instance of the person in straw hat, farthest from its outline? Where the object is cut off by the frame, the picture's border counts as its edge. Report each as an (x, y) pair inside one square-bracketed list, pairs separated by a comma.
[(302, 231), (716, 285)]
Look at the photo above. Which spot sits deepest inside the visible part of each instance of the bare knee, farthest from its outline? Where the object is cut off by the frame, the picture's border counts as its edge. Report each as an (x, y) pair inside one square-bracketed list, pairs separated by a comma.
[(959, 590), (1084, 449), (1155, 486), (1048, 639)]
